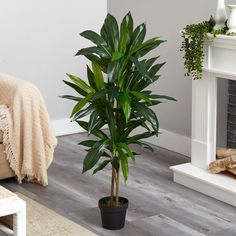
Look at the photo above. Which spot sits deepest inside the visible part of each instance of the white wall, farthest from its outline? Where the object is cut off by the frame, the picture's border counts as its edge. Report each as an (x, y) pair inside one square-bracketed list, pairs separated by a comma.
[(38, 39), (166, 19)]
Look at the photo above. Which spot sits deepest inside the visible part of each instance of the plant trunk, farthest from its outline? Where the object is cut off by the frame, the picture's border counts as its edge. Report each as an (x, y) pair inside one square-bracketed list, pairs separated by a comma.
[(112, 186), (115, 182), (117, 187)]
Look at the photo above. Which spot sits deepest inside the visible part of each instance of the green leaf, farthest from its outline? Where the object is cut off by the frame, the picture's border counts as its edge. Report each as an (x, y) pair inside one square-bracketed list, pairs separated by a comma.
[(83, 124), (105, 154), (113, 92), (76, 88), (127, 149), (138, 35), (102, 62), (147, 47), (147, 92), (152, 72), (91, 78), (141, 96), (142, 84), (141, 68), (82, 113), (154, 96), (143, 145), (97, 133), (111, 122), (155, 102), (98, 76), (113, 69), (81, 84), (93, 121), (110, 31), (125, 101), (94, 154), (148, 114), (97, 39), (140, 136), (132, 125), (124, 164), (117, 55), (81, 104), (71, 97), (93, 50), (136, 154), (149, 44), (101, 166), (150, 62), (88, 143), (99, 94), (126, 30), (98, 125), (94, 37)]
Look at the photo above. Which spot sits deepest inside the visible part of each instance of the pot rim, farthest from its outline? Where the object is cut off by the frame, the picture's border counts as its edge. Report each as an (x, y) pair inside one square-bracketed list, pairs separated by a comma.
[(101, 204)]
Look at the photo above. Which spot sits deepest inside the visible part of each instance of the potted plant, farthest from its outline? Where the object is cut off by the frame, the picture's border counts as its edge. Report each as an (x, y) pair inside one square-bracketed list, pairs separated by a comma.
[(116, 96)]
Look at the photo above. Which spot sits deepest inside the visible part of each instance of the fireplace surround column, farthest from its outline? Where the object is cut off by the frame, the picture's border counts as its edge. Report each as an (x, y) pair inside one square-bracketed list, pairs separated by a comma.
[(204, 108)]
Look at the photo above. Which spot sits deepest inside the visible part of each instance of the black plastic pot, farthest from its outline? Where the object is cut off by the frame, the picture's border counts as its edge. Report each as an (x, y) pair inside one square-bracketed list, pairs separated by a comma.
[(113, 218)]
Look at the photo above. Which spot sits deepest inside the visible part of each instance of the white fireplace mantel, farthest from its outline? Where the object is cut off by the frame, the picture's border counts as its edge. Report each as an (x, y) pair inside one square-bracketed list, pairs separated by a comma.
[(220, 62)]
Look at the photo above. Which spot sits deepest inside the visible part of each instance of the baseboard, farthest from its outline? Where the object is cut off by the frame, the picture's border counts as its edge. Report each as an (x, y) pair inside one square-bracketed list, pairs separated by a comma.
[(171, 141), (168, 140), (66, 127)]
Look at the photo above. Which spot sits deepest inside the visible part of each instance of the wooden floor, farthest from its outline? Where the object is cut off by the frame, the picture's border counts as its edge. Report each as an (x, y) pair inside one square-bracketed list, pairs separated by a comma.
[(158, 207)]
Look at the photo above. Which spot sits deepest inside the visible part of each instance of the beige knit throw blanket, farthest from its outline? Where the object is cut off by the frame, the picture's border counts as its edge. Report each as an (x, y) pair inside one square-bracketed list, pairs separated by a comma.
[(28, 135)]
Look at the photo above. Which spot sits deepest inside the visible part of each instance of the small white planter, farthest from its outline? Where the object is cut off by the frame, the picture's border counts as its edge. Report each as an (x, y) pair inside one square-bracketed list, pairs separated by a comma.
[(221, 15), (232, 20)]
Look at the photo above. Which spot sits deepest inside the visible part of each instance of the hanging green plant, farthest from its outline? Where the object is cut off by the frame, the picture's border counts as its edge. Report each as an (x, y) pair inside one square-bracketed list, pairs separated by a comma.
[(194, 36)]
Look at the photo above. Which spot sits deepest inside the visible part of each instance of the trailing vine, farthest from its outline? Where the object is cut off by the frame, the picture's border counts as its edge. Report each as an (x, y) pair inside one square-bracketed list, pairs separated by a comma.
[(193, 46)]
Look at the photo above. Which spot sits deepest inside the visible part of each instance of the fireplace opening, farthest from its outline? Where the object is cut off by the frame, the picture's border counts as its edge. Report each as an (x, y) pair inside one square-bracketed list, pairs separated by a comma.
[(226, 129), (222, 113), (231, 119)]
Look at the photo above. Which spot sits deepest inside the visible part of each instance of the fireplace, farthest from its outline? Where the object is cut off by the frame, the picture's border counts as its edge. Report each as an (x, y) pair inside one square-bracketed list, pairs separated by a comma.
[(207, 133)]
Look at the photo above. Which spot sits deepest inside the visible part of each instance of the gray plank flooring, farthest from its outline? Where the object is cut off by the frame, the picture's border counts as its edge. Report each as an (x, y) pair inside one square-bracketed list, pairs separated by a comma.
[(158, 207)]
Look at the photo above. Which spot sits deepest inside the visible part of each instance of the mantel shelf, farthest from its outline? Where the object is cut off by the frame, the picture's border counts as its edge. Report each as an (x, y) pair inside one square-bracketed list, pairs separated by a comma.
[(221, 73), (220, 55), (222, 37), (221, 41)]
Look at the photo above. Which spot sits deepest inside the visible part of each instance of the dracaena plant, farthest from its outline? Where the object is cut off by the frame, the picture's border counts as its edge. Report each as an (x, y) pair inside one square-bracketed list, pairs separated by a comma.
[(116, 96)]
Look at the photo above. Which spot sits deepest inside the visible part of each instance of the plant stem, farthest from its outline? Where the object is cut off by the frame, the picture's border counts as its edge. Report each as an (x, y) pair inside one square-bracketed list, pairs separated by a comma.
[(112, 186), (117, 187)]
